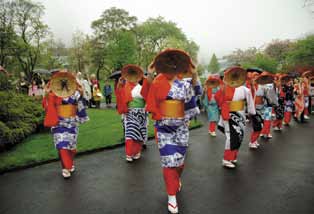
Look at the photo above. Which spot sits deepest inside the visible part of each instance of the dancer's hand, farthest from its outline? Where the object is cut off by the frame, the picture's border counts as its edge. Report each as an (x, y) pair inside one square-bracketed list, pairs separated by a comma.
[(47, 89), (80, 88), (121, 82), (150, 73), (194, 76)]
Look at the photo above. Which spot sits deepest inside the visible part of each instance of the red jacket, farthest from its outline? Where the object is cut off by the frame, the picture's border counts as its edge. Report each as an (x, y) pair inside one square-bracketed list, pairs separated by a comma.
[(158, 92), (124, 95)]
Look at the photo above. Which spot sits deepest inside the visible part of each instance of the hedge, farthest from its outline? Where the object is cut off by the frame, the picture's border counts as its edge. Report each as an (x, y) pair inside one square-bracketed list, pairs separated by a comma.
[(20, 116)]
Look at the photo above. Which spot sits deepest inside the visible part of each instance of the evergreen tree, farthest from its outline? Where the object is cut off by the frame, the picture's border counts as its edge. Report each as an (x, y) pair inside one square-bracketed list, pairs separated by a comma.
[(213, 66)]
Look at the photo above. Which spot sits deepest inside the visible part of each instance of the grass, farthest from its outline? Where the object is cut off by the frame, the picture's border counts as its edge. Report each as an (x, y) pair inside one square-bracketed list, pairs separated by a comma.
[(103, 130)]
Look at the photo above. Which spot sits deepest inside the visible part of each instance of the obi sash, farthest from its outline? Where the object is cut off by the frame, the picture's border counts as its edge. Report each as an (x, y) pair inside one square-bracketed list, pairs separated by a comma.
[(172, 108), (67, 111), (137, 103), (235, 106)]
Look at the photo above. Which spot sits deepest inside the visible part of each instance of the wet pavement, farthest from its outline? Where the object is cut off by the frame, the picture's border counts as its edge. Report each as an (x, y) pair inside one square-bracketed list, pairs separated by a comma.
[(277, 178)]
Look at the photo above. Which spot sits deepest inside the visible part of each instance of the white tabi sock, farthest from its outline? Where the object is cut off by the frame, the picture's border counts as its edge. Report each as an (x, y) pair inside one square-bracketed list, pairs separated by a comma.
[(172, 200)]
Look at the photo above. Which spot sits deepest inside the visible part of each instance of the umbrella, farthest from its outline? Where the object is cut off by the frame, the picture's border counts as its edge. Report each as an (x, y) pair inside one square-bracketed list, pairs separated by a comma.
[(258, 70), (115, 75), (54, 70), (41, 71), (294, 74)]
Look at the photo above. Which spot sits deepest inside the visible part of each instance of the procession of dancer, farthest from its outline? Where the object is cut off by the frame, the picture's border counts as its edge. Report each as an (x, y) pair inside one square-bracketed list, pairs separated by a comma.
[(168, 92)]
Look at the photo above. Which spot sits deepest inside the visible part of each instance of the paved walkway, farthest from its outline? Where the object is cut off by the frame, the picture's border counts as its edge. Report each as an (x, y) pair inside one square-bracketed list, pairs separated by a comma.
[(278, 178)]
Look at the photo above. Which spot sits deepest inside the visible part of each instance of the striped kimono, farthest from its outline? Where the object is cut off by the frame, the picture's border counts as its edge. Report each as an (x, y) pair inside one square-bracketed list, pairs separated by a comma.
[(131, 105)]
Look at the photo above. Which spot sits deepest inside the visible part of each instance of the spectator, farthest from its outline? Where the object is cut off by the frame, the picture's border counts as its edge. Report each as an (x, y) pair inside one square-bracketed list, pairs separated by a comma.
[(96, 96), (87, 91), (107, 92), (33, 89), (22, 84)]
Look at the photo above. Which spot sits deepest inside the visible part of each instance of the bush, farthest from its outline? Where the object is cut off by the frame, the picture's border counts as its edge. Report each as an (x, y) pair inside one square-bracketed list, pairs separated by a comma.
[(5, 83), (20, 116)]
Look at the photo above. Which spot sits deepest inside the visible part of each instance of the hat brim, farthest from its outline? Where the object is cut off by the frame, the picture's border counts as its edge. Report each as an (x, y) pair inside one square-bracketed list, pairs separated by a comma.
[(173, 61)]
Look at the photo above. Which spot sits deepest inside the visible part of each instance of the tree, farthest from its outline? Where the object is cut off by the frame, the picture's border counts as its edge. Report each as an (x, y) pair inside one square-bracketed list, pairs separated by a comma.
[(262, 61), (7, 33), (111, 22), (252, 57), (31, 32), (156, 34), (53, 54), (213, 66), (200, 69), (240, 56), (79, 52), (278, 50), (302, 52), (122, 50), (111, 31)]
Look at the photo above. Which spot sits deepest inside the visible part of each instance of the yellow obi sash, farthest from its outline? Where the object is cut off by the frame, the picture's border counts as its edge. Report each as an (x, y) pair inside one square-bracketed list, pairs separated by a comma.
[(67, 111), (236, 105), (172, 108)]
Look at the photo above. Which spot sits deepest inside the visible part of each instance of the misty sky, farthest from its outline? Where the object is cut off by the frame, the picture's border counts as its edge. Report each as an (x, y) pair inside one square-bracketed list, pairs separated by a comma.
[(217, 26)]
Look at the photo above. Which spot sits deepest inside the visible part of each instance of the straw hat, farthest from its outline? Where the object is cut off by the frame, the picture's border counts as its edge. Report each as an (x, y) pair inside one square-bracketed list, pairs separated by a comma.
[(63, 84), (235, 76), (213, 81), (172, 61), (132, 73), (265, 78)]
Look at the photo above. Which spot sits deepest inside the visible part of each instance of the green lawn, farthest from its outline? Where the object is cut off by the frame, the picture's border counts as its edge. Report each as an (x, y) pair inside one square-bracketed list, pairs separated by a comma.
[(104, 129)]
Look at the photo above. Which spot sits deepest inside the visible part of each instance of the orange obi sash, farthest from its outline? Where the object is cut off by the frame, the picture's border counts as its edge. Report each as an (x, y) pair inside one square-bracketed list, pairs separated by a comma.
[(172, 108), (66, 111), (259, 100), (236, 105)]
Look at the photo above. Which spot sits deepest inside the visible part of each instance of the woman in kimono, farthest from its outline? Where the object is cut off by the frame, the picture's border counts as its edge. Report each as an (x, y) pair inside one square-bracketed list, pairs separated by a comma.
[(167, 101), (287, 89), (265, 99), (63, 115), (231, 99), (280, 108), (306, 93), (211, 107), (299, 98), (257, 120), (131, 96)]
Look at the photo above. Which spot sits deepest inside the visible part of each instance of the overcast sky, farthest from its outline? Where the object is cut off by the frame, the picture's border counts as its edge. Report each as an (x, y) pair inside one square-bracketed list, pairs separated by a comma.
[(217, 26)]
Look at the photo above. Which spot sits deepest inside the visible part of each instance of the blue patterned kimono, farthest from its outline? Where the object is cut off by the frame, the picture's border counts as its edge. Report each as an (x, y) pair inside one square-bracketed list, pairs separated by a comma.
[(191, 106), (211, 107), (65, 133), (173, 134), (269, 96), (289, 98)]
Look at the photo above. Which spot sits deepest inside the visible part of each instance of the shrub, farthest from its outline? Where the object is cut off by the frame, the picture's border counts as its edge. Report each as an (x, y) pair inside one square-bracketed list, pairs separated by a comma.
[(20, 116), (5, 83)]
